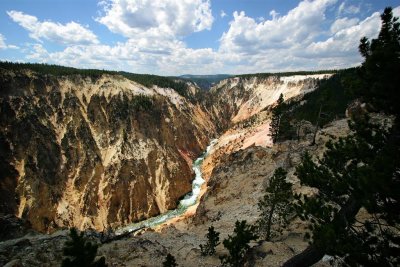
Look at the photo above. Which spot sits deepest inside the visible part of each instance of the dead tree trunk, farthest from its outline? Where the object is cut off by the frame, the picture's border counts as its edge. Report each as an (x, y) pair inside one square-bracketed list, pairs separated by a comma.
[(316, 126), (308, 257)]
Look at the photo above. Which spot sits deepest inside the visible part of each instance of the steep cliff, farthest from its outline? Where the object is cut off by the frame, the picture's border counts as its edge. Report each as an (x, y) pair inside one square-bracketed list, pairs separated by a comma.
[(92, 152), (237, 169), (234, 189), (236, 99), (241, 107)]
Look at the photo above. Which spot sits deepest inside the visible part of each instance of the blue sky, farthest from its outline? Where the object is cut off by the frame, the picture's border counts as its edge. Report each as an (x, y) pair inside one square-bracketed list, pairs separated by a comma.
[(173, 37)]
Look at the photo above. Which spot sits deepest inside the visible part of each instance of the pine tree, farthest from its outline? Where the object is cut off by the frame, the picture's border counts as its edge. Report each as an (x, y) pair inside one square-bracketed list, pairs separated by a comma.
[(323, 99), (238, 244), (169, 261), (379, 77), (275, 205), (212, 242), (360, 170), (80, 253), (276, 119)]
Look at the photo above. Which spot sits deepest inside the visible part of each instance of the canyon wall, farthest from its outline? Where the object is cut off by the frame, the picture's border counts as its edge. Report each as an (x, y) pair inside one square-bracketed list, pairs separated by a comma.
[(242, 106), (94, 152), (238, 98)]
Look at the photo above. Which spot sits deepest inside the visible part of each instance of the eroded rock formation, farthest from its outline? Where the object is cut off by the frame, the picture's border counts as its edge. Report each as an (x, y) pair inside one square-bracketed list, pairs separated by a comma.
[(106, 151), (132, 168), (237, 99), (92, 152)]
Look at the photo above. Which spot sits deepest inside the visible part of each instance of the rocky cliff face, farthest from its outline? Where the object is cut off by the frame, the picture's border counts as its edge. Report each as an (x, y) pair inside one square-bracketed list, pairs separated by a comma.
[(92, 152), (131, 167), (106, 151), (242, 106), (234, 189), (236, 99)]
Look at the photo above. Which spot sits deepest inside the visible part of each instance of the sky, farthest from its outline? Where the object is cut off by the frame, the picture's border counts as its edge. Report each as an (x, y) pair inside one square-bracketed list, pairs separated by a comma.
[(175, 37)]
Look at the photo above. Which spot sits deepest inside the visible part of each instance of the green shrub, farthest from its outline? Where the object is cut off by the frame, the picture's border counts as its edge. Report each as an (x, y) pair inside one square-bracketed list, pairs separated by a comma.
[(79, 252), (169, 261), (212, 242), (238, 244)]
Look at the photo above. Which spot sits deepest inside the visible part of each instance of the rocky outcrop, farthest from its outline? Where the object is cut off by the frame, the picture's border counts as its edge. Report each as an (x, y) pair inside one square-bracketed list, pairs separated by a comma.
[(93, 152)]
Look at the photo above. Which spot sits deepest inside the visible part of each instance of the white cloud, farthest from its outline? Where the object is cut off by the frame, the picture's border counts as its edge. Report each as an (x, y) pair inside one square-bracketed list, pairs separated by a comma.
[(296, 40), (353, 9), (146, 52), (341, 8), (345, 40), (223, 14), (168, 58), (343, 23), (12, 46), (260, 19), (70, 33), (38, 53), (165, 19), (396, 11), (349, 10), (274, 14), (292, 41), (299, 26), (3, 44), (154, 30)]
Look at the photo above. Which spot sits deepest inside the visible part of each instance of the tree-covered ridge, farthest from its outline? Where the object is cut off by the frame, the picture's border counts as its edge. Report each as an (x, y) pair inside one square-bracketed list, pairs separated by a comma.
[(284, 74), (331, 95), (145, 79), (149, 80), (205, 82)]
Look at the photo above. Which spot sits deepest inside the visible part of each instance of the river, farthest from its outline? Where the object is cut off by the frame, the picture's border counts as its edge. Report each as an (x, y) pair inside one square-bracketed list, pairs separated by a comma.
[(189, 200)]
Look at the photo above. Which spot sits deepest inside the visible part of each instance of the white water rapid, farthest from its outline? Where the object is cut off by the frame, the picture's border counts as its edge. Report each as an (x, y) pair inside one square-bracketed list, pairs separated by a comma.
[(189, 200)]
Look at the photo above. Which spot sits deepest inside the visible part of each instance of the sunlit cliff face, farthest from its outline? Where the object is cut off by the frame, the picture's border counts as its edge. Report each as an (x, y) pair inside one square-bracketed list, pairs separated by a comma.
[(106, 151), (237, 99), (87, 153)]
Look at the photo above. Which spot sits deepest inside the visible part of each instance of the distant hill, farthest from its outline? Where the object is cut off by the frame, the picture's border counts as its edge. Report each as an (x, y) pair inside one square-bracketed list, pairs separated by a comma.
[(205, 81)]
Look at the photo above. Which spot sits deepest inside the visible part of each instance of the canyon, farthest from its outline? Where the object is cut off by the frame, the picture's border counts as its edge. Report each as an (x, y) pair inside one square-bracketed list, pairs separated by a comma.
[(103, 152), (90, 153)]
